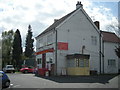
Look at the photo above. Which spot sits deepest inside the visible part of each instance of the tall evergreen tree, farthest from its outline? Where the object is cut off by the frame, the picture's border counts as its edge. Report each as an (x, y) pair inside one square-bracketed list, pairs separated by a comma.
[(17, 49), (29, 43)]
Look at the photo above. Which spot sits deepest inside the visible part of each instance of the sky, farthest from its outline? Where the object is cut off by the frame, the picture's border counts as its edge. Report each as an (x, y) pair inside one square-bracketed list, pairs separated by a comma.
[(18, 14)]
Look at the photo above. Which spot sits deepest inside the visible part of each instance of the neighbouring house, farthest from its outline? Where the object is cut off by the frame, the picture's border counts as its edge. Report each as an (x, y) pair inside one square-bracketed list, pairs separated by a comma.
[(74, 45), (110, 61)]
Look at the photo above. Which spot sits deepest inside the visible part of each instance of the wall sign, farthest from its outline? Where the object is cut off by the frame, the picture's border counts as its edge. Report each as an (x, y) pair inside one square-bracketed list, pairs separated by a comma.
[(62, 46)]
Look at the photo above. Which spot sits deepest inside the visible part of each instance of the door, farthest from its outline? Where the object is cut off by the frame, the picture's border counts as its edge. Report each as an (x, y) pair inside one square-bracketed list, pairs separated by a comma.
[(84, 66), (44, 60)]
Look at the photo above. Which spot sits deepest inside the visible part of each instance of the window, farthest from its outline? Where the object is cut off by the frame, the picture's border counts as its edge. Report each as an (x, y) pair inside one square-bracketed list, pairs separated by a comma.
[(84, 63), (111, 62), (81, 63), (39, 61), (41, 42), (77, 62), (49, 39), (94, 40), (71, 63)]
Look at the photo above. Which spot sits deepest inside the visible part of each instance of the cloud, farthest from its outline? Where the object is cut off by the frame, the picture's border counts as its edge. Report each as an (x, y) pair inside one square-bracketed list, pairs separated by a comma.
[(18, 14)]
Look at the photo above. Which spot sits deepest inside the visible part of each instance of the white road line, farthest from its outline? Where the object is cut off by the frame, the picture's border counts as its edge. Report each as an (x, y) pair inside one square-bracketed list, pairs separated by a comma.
[(16, 86), (11, 84)]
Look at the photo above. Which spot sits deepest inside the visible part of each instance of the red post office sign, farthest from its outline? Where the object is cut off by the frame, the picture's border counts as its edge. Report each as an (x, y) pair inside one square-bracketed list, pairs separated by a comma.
[(62, 46)]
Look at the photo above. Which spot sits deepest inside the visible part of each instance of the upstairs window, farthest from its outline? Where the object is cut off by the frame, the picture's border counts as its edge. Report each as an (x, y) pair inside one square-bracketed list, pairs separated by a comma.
[(49, 39), (41, 42), (94, 40)]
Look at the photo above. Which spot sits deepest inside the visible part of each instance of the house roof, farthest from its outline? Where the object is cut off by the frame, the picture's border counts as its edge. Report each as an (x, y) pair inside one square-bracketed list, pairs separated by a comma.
[(82, 56), (56, 23), (110, 37)]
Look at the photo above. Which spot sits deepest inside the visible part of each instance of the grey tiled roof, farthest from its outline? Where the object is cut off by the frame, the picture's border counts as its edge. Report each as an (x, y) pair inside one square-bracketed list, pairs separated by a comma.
[(56, 23)]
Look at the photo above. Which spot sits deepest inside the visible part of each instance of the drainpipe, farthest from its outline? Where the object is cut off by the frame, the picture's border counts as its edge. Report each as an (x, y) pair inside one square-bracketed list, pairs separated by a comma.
[(55, 52), (103, 56), (100, 52)]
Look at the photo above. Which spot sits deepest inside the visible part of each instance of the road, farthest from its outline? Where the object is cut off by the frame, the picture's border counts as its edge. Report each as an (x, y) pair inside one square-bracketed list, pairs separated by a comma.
[(32, 81)]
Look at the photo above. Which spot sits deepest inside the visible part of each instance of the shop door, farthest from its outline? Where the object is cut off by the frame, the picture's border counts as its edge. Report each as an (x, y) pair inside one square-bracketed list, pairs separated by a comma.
[(84, 66), (44, 60)]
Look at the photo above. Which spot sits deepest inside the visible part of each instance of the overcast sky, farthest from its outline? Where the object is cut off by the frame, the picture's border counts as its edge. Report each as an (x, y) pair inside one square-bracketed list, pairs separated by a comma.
[(18, 14)]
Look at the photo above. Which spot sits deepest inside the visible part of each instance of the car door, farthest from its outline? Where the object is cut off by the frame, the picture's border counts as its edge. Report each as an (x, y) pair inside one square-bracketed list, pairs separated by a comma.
[(30, 69)]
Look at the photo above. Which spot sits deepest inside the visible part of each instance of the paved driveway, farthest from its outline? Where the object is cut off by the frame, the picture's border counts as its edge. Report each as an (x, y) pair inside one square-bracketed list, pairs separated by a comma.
[(32, 81)]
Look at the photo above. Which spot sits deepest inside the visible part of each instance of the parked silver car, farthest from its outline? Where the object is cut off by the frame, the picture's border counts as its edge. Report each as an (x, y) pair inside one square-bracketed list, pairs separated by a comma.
[(9, 68)]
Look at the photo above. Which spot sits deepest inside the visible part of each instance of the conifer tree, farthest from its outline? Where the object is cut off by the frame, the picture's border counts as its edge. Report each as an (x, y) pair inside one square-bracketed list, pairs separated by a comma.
[(17, 49), (29, 43)]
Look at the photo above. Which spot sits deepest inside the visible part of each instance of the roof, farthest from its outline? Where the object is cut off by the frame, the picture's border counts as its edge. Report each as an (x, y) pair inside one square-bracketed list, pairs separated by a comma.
[(82, 56), (56, 23), (110, 37)]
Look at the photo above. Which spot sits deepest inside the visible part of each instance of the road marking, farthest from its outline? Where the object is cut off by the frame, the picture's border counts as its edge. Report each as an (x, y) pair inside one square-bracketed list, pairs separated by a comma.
[(11, 84), (16, 86)]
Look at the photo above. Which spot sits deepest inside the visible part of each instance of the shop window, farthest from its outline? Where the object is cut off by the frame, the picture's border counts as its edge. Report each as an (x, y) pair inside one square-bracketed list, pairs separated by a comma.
[(81, 63), (86, 63), (77, 62), (71, 63), (39, 61)]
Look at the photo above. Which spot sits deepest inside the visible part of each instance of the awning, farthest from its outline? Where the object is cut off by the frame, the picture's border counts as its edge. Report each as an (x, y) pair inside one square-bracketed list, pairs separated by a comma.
[(82, 56), (45, 51)]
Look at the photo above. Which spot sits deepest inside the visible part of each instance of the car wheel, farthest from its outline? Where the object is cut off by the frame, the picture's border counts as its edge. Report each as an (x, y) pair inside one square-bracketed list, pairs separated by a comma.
[(26, 71), (7, 84)]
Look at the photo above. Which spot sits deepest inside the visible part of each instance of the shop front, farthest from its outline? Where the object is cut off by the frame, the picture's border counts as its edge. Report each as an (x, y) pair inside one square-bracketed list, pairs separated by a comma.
[(78, 64), (45, 62)]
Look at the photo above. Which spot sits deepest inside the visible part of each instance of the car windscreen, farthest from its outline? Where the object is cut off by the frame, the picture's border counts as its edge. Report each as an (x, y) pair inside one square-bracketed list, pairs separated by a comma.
[(9, 66)]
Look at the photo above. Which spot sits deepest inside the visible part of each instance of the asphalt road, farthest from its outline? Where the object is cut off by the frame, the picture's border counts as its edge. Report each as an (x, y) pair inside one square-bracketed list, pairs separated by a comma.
[(32, 81)]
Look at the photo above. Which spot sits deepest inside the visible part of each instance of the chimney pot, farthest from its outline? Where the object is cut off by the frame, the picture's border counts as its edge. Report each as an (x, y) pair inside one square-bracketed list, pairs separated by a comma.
[(97, 23), (79, 5)]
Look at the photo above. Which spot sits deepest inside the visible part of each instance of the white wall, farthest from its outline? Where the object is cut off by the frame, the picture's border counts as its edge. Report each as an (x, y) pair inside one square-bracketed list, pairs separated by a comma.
[(77, 31), (109, 53), (44, 42), (46, 45)]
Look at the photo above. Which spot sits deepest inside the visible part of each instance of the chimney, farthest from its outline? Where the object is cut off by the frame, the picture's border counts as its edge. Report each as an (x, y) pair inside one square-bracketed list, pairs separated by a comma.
[(79, 5), (97, 23)]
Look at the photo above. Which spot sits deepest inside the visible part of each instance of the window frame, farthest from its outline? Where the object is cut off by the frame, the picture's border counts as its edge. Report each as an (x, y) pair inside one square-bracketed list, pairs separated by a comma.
[(94, 40), (49, 38), (111, 61)]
